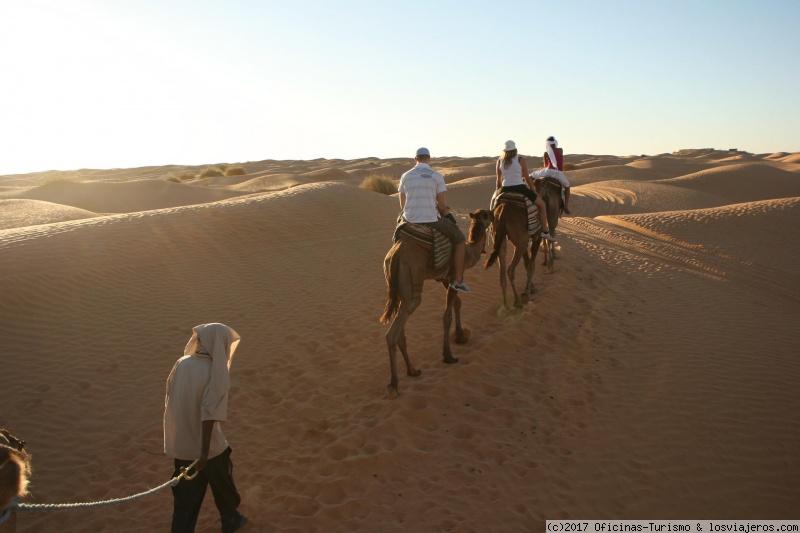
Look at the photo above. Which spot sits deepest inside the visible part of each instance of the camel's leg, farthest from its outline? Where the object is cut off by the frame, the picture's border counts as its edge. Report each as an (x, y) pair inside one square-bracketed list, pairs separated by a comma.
[(553, 228), (549, 255), (460, 337), (394, 337), (519, 251), (530, 287), (401, 343), (447, 320), (502, 258), (546, 250)]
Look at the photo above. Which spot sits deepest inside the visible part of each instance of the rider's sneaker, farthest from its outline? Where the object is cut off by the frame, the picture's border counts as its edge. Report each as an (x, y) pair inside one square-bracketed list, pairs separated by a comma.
[(459, 286), (547, 236)]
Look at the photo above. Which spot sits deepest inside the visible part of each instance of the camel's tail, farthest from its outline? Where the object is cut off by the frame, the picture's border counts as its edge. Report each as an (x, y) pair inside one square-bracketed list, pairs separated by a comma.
[(392, 297), (498, 237)]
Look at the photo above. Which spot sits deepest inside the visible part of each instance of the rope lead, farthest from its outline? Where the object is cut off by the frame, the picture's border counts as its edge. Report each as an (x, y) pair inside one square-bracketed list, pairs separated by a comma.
[(87, 505)]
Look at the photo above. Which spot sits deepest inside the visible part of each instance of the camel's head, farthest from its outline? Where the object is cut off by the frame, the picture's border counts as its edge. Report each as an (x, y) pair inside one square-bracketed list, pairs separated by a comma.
[(481, 220), (484, 217)]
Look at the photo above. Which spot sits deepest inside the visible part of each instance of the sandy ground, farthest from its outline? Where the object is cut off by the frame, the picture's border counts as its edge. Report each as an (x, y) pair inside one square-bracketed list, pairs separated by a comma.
[(654, 375)]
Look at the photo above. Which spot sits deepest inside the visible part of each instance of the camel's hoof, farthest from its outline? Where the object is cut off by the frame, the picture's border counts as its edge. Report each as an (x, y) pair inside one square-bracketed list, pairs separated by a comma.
[(518, 305), (415, 373), (450, 360), (461, 336), (391, 391)]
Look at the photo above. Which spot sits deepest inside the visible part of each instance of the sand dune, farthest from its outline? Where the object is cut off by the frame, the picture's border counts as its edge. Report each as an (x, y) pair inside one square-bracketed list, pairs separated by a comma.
[(653, 375), (21, 213), (390, 170), (328, 174), (142, 195), (743, 182), (271, 182)]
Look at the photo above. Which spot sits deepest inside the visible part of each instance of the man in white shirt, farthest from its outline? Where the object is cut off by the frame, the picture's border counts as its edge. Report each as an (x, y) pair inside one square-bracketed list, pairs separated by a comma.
[(422, 201), (194, 409)]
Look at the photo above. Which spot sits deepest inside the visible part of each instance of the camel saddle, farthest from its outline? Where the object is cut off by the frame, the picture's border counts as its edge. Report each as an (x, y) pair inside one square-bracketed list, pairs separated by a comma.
[(522, 201), (440, 245), (560, 188)]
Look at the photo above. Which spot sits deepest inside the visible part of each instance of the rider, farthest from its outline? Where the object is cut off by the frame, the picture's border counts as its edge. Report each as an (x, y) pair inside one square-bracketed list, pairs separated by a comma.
[(422, 201), (511, 170), (554, 168)]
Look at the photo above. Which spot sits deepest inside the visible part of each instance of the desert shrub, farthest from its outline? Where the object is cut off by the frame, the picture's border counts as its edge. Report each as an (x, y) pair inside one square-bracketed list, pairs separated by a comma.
[(185, 175), (570, 166), (210, 172), (173, 178), (379, 183), (235, 171)]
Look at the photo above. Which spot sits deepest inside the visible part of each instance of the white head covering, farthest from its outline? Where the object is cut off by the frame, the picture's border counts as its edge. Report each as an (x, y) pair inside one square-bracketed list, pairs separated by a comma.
[(219, 341), (549, 145)]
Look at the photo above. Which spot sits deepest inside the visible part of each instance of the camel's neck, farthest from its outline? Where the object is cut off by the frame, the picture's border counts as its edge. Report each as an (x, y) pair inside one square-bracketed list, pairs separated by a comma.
[(473, 251)]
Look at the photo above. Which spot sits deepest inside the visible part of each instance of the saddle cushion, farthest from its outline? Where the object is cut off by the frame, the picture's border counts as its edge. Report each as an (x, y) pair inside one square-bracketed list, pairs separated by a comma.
[(520, 200), (441, 247)]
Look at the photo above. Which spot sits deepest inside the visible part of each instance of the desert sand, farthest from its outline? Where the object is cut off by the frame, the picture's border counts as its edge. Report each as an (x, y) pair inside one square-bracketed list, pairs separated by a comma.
[(654, 375)]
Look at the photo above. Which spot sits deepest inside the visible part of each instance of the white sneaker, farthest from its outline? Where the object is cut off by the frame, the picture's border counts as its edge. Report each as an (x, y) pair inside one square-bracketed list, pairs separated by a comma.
[(459, 286), (547, 236)]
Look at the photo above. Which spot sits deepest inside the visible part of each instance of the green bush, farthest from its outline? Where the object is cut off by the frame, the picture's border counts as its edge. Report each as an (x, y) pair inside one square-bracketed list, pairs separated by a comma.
[(379, 183), (235, 171)]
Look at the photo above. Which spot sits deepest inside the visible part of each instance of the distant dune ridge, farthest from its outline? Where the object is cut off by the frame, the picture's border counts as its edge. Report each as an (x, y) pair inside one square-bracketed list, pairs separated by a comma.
[(653, 376)]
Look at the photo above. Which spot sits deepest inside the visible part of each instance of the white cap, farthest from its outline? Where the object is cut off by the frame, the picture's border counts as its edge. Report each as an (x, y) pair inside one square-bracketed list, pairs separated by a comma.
[(510, 146), (423, 151)]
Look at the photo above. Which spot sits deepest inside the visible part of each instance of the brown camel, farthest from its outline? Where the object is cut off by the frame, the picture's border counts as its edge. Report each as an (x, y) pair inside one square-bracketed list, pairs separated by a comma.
[(511, 222), (549, 189), (14, 472), (406, 268)]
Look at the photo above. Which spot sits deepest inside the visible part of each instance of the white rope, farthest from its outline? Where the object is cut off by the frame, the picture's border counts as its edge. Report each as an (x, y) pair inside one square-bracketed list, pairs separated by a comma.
[(87, 505)]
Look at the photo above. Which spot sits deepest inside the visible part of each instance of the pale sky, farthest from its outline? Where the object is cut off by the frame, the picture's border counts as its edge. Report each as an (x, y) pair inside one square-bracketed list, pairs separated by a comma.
[(128, 83)]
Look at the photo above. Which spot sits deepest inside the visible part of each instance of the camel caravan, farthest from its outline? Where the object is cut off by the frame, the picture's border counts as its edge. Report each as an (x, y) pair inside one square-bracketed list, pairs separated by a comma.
[(428, 244)]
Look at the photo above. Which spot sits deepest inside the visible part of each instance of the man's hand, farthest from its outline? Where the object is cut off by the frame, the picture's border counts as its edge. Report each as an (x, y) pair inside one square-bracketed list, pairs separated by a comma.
[(201, 463)]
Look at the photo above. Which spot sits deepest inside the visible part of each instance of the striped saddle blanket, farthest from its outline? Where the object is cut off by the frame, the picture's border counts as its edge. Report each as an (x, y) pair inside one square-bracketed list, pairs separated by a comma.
[(441, 247), (519, 199)]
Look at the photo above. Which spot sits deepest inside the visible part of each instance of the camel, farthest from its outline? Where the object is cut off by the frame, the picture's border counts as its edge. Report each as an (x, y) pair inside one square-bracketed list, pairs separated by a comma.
[(406, 268), (549, 189), (14, 472), (511, 222)]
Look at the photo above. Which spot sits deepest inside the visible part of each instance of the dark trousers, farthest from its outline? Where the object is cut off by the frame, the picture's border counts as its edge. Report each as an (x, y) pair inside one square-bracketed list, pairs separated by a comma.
[(531, 195), (189, 494)]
